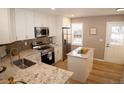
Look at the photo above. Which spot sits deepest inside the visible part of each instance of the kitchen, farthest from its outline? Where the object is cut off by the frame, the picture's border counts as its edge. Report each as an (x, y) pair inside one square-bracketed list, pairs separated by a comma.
[(20, 32), (32, 44)]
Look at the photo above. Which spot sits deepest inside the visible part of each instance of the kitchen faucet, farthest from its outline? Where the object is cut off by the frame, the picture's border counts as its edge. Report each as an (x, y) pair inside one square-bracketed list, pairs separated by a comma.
[(17, 50), (11, 54)]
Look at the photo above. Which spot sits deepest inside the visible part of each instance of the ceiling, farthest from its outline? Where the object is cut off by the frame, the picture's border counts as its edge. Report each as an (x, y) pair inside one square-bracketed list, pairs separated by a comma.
[(81, 12)]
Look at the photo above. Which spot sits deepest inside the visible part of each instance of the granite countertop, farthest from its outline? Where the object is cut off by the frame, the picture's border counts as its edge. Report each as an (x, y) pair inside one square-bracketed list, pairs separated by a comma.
[(75, 53), (40, 73)]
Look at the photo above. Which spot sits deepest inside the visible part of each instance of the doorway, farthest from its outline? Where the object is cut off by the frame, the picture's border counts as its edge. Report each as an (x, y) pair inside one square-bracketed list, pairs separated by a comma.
[(114, 47)]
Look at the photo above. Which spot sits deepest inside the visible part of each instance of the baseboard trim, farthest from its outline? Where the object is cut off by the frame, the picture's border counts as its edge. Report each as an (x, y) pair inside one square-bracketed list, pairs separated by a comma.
[(57, 61), (107, 61), (98, 59)]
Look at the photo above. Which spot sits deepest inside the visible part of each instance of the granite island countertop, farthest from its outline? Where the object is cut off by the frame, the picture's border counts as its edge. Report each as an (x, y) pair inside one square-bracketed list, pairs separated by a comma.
[(40, 73), (75, 53)]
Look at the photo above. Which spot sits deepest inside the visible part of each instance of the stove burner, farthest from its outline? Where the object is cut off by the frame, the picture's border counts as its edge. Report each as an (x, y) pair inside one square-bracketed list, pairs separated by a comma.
[(44, 48), (2, 69)]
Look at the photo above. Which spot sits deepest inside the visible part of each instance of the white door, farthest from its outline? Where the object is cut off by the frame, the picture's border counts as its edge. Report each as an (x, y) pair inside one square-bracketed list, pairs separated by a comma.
[(114, 48)]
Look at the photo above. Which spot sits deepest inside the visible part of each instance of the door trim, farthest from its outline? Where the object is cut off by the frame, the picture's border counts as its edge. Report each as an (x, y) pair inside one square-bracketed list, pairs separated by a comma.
[(105, 51), (107, 33)]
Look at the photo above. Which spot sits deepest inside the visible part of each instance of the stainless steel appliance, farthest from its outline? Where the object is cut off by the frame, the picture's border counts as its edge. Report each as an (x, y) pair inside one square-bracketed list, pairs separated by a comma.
[(67, 38), (41, 31), (47, 53)]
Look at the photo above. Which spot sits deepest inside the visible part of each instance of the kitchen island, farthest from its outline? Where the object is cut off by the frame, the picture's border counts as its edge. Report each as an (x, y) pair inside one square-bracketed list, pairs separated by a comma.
[(40, 73), (80, 64)]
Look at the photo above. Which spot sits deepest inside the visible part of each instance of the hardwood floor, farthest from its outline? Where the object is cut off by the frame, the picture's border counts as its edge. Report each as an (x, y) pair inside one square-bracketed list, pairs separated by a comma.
[(102, 72)]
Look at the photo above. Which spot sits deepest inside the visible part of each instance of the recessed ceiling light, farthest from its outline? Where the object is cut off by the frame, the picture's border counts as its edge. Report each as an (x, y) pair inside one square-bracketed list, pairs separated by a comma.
[(120, 9), (53, 8)]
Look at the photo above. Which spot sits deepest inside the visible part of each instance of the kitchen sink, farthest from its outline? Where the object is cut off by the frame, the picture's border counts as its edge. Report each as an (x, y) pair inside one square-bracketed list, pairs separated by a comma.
[(23, 63)]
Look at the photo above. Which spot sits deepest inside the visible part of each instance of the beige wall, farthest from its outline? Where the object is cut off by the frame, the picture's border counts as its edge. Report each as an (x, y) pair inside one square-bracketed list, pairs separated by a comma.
[(66, 22), (99, 22)]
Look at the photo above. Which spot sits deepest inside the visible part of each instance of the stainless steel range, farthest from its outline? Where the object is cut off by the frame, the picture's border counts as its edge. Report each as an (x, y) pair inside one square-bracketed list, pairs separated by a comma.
[(47, 53)]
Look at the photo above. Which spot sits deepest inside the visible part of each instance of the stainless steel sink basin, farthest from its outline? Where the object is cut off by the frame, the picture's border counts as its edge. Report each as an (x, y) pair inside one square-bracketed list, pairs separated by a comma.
[(20, 82), (23, 63)]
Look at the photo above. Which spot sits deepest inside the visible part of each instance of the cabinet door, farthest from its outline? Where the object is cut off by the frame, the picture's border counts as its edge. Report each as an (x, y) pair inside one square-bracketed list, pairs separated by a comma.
[(37, 19), (44, 20), (40, 19), (58, 53), (20, 24), (59, 30), (7, 26), (12, 25), (29, 25), (52, 25), (4, 26)]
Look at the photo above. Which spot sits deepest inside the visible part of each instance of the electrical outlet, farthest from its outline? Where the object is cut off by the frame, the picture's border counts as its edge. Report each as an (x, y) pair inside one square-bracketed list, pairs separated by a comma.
[(100, 40), (26, 43)]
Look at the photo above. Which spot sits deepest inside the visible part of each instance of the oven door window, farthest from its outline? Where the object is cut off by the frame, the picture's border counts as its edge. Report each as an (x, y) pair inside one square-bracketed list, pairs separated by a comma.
[(43, 31)]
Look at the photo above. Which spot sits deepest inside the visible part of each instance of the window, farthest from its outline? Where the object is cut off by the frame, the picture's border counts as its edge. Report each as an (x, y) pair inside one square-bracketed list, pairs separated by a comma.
[(117, 35), (77, 33)]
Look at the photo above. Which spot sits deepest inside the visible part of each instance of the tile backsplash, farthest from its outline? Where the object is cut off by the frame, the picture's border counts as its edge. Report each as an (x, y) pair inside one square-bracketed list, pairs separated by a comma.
[(26, 44), (2, 51)]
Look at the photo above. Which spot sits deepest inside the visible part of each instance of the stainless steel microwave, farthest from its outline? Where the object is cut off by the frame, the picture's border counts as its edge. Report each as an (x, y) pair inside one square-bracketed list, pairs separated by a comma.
[(41, 31)]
